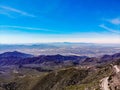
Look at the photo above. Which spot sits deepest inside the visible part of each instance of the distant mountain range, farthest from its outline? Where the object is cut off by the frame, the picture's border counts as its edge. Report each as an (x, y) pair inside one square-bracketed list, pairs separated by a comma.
[(11, 58), (15, 54), (18, 58)]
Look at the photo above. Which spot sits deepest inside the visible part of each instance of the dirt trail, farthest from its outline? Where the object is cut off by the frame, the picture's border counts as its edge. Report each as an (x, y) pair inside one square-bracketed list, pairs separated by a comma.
[(104, 84), (117, 69)]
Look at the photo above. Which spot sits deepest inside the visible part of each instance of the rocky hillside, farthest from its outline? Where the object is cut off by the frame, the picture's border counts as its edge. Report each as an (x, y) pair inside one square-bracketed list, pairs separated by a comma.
[(72, 78)]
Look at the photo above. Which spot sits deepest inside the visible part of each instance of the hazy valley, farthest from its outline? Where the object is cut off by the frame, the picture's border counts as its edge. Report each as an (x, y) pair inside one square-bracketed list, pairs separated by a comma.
[(66, 48)]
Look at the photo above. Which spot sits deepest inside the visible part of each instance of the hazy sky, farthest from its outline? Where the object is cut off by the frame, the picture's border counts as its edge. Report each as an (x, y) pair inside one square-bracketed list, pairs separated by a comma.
[(33, 21)]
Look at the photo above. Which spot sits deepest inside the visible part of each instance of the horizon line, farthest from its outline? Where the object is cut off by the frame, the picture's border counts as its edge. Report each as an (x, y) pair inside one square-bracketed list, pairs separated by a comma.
[(54, 42)]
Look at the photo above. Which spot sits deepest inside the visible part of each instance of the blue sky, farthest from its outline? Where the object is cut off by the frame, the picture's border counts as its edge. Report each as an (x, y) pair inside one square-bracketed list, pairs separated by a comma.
[(35, 21)]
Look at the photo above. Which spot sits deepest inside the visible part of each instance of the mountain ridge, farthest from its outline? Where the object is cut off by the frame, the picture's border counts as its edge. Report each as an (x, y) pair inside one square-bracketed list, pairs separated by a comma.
[(13, 58)]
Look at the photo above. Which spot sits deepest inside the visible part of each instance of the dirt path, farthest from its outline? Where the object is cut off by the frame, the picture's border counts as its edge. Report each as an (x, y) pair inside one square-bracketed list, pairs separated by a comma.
[(104, 84), (117, 69)]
